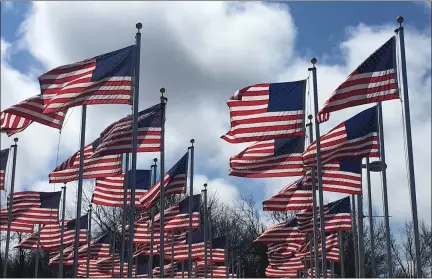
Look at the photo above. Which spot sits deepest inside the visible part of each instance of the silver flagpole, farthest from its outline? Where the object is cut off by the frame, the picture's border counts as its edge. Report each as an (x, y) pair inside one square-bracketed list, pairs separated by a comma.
[(113, 236), (60, 270), (354, 232), (162, 185), (15, 147), (124, 212), (360, 234), (152, 215), (80, 185), (134, 148), (172, 254), (211, 241), (314, 205), (232, 260), (311, 257), (89, 239), (341, 255), (371, 225), (411, 176), (332, 270), (226, 255), (182, 268), (37, 253), (191, 149), (205, 229), (319, 170)]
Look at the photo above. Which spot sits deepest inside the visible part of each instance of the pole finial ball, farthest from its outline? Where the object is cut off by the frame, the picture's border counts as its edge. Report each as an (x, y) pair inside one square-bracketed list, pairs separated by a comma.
[(313, 60), (15, 140), (205, 185), (310, 116), (138, 25), (162, 90), (192, 141), (399, 19), (155, 160)]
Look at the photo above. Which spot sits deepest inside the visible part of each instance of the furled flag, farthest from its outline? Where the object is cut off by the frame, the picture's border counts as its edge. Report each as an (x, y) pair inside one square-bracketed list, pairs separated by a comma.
[(294, 196), (283, 232), (273, 272), (356, 137), (337, 216), (267, 111), (177, 216), (174, 183), (4, 156), (104, 79), (18, 117), (342, 177), (218, 246), (373, 81), (94, 167), (271, 158), (35, 207), (109, 191), (117, 137)]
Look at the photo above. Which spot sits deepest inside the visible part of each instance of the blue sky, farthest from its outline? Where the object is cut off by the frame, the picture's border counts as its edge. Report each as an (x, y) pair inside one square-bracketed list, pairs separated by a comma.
[(320, 26)]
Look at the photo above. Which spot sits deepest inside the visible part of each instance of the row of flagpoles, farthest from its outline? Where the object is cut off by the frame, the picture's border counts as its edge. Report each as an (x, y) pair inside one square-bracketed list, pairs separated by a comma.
[(114, 78)]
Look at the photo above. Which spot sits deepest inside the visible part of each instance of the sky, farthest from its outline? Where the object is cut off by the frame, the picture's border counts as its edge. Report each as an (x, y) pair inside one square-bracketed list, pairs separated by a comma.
[(202, 52)]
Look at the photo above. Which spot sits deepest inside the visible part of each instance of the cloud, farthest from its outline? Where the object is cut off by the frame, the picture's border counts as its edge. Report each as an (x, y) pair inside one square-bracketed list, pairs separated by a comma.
[(225, 192)]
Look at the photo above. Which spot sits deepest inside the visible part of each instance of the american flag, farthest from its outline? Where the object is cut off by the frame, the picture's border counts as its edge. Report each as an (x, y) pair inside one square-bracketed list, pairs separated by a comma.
[(218, 249), (94, 167), (219, 271), (356, 137), (294, 196), (273, 272), (174, 183), (4, 156), (267, 111), (16, 226), (109, 191), (271, 158), (283, 232), (337, 216), (93, 271), (373, 81), (104, 79), (69, 231), (167, 270), (141, 270), (35, 207), (177, 216), (342, 177), (117, 137), (99, 248), (332, 247), (282, 247), (18, 117), (181, 246), (279, 257), (55, 257), (292, 263)]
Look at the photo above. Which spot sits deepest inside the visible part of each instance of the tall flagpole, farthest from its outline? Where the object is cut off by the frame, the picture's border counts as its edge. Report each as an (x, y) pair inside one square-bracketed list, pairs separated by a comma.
[(319, 170), (37, 253), (152, 216), (162, 184), (411, 176), (226, 255), (341, 255), (80, 186), (314, 205), (124, 211), (211, 241), (89, 239), (371, 225), (172, 254), (15, 147), (205, 229), (354, 232), (134, 148), (191, 148), (113, 238), (60, 269), (360, 235)]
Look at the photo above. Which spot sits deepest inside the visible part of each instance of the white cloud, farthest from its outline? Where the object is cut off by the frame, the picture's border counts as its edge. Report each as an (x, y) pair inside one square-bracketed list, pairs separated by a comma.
[(224, 191)]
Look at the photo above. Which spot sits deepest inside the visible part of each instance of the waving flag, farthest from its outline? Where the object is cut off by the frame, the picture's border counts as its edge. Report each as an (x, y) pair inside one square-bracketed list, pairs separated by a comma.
[(292, 263), (294, 196), (356, 137), (99, 248), (94, 167), (218, 249), (174, 183), (272, 158), (117, 138), (267, 111), (373, 81), (104, 79), (341, 177), (93, 271), (181, 246), (273, 272), (4, 156), (283, 232), (18, 117), (16, 226), (69, 231), (109, 191), (142, 270)]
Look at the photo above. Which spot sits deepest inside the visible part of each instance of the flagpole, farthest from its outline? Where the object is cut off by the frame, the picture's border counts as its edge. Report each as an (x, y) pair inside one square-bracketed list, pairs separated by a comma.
[(152, 215), (37, 253), (162, 184), (182, 268), (371, 225), (125, 194), (80, 186), (113, 252), (232, 260), (407, 115), (332, 270), (319, 170), (354, 232), (60, 270), (88, 239), (205, 229), (226, 255), (311, 257), (211, 241), (134, 147), (172, 254), (360, 217), (15, 146), (191, 148), (314, 204), (341, 255)]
